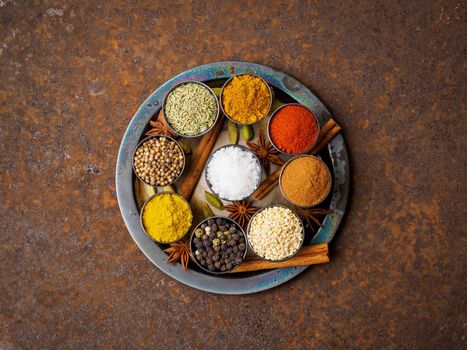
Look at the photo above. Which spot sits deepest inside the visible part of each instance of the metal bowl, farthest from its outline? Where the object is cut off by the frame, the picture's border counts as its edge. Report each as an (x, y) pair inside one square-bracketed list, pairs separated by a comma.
[(192, 247), (142, 211), (165, 101), (269, 126), (271, 97), (209, 183), (301, 224), (158, 136), (282, 172)]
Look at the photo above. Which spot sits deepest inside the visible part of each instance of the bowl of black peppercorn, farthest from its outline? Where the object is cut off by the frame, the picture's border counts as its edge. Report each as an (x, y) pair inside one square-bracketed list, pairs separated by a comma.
[(218, 245)]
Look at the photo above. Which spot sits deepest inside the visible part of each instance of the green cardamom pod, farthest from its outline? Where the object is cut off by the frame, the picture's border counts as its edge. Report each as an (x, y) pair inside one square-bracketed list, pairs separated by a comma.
[(185, 147), (247, 132), (213, 200), (217, 91), (169, 188), (234, 134), (206, 210)]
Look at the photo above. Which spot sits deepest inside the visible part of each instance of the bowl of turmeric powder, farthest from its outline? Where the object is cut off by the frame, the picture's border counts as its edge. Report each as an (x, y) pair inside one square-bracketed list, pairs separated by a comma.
[(166, 217), (246, 99)]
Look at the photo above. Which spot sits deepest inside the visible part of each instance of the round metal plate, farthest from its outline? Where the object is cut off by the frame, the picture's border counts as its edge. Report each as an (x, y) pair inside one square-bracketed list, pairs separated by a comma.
[(124, 178)]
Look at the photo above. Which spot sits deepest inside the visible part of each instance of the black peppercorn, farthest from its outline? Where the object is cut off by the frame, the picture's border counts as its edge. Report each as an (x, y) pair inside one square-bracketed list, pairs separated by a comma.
[(221, 246)]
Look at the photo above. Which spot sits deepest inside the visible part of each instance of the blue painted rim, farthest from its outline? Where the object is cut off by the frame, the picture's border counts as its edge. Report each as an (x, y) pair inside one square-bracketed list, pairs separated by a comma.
[(124, 178)]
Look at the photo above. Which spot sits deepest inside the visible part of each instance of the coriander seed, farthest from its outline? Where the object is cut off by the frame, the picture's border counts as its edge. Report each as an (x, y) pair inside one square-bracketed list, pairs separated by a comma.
[(158, 161)]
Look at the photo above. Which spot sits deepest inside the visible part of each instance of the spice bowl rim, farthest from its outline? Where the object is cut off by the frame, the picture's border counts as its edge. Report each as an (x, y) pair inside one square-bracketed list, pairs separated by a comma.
[(329, 175), (155, 136), (273, 114), (151, 198), (243, 148), (295, 214), (216, 118), (192, 244), (271, 98)]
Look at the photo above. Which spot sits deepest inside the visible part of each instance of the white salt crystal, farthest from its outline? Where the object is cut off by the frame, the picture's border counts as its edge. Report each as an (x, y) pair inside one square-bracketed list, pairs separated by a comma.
[(234, 173)]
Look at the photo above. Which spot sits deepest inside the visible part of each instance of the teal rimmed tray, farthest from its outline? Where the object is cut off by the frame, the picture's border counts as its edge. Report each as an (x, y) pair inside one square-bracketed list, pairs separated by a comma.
[(214, 74)]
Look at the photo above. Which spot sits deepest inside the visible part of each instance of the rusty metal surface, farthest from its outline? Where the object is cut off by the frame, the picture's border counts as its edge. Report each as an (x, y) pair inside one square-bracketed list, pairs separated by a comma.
[(72, 76)]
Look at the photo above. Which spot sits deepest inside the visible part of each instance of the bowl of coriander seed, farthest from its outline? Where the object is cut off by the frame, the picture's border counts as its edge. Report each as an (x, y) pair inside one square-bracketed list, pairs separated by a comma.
[(158, 160)]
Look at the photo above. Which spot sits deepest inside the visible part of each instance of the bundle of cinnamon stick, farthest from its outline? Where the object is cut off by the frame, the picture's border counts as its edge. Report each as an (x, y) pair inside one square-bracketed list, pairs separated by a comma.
[(199, 159), (327, 133), (309, 255)]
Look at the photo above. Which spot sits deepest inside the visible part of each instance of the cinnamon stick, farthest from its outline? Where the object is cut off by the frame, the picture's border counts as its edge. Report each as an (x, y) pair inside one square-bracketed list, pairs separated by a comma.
[(267, 189), (308, 255), (264, 187), (198, 160), (326, 128), (327, 138)]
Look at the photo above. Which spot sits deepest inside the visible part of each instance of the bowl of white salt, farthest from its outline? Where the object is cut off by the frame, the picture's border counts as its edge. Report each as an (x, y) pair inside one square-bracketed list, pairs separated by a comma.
[(233, 172)]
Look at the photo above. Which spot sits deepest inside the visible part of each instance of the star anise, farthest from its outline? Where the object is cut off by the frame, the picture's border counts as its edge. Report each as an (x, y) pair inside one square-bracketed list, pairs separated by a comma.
[(159, 127), (266, 152), (241, 211), (310, 216), (179, 251)]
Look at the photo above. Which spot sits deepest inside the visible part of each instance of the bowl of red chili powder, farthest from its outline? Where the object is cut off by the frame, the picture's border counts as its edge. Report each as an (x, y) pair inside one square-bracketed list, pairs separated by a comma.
[(293, 129)]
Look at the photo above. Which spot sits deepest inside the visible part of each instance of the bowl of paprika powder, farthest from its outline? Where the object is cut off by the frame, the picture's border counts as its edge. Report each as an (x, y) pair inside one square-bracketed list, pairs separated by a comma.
[(293, 129)]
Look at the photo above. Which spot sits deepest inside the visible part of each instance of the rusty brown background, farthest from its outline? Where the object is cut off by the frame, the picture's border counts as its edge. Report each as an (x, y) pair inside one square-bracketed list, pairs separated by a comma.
[(72, 75)]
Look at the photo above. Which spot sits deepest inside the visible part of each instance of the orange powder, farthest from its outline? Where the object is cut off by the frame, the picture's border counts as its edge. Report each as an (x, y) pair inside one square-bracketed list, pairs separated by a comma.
[(305, 181)]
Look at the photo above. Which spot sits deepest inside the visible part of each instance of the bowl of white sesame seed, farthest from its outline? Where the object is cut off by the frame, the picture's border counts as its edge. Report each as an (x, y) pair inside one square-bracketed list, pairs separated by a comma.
[(275, 233)]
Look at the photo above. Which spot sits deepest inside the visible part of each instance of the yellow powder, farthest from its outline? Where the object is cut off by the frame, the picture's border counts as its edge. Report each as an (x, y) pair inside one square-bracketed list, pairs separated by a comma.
[(167, 218), (246, 99)]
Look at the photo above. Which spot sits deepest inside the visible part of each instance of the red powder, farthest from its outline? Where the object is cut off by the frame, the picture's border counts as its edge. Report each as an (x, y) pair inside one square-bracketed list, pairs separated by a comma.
[(293, 129)]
